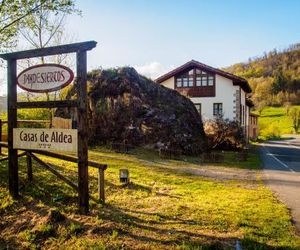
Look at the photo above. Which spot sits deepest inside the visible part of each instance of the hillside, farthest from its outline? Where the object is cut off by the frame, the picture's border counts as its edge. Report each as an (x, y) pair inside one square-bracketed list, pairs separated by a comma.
[(273, 77), (274, 122)]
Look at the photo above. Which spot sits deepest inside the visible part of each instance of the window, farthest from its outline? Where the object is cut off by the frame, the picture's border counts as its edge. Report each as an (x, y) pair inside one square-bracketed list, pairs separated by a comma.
[(195, 77), (179, 82), (198, 107), (218, 109), (191, 78), (185, 81), (198, 81), (204, 80), (211, 80)]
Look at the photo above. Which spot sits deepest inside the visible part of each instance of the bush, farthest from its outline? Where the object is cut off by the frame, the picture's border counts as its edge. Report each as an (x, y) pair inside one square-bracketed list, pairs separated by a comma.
[(294, 115), (224, 134), (270, 132)]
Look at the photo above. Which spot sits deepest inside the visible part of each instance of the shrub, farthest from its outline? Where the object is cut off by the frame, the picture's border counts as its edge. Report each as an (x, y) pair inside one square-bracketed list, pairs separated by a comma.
[(294, 115), (271, 132), (224, 134)]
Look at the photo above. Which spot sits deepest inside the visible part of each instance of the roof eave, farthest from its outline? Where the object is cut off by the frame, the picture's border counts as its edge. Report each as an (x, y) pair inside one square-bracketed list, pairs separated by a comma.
[(235, 79)]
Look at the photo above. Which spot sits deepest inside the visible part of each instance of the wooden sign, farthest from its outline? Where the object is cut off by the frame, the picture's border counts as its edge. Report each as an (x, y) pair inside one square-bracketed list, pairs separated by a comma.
[(45, 78), (45, 139)]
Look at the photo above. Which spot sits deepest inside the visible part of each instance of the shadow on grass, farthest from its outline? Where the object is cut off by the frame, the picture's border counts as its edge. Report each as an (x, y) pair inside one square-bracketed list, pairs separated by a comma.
[(11, 244), (274, 138), (158, 228), (178, 237), (274, 115)]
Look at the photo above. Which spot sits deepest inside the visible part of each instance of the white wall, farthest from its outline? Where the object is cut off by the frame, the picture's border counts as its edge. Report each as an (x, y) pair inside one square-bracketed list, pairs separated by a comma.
[(243, 102), (169, 83), (225, 91), (247, 121)]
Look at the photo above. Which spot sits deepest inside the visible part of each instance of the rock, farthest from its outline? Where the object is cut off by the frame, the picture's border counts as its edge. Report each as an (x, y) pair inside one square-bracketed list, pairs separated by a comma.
[(127, 107)]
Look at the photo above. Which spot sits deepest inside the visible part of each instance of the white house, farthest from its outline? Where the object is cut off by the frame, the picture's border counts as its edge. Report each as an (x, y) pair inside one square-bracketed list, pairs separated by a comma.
[(213, 91)]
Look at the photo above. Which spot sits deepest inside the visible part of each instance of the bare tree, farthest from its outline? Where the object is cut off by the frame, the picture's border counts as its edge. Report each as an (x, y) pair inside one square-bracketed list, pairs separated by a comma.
[(43, 29)]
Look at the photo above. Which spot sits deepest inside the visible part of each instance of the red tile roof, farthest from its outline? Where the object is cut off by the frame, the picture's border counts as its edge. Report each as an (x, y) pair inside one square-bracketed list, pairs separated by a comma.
[(191, 64)]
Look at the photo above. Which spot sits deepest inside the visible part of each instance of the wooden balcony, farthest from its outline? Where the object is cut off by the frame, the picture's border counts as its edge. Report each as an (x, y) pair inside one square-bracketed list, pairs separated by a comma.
[(204, 91)]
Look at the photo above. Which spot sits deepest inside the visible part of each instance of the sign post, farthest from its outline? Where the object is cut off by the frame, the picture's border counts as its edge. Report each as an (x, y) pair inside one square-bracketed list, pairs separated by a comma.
[(13, 177), (82, 126), (46, 78)]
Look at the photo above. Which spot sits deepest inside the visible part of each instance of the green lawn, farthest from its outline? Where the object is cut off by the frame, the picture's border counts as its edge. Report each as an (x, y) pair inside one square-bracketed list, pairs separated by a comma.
[(162, 208), (275, 118)]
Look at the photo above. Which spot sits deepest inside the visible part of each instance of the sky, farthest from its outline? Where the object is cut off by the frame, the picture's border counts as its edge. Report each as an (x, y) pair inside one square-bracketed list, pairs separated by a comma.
[(155, 36)]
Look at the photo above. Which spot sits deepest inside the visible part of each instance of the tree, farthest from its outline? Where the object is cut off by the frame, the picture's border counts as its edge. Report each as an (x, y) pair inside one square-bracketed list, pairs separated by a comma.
[(262, 96), (15, 14), (294, 114), (45, 28), (287, 108), (280, 82)]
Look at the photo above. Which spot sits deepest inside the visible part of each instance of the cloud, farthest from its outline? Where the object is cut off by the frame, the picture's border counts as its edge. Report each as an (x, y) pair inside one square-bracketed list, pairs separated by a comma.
[(152, 70)]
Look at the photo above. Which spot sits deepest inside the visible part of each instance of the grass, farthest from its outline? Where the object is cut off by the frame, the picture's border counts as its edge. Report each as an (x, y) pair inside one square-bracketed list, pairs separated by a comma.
[(276, 117), (162, 208), (230, 160)]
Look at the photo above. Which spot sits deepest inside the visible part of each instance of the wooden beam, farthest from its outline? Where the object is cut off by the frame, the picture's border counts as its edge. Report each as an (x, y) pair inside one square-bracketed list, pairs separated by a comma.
[(29, 121), (29, 166), (47, 104), (82, 126), (68, 158), (4, 144), (0, 135), (13, 177), (53, 171), (56, 173), (6, 158), (62, 49), (101, 190)]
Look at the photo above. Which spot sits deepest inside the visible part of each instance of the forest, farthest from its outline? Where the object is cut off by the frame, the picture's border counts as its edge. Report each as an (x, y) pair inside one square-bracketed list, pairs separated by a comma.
[(274, 77)]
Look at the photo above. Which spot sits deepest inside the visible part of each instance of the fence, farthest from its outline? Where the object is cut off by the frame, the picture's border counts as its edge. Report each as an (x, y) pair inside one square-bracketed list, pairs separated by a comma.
[(34, 154), (58, 122)]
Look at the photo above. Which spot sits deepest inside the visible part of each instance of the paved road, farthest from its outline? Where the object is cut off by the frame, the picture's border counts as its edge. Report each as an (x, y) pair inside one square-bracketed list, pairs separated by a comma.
[(282, 172)]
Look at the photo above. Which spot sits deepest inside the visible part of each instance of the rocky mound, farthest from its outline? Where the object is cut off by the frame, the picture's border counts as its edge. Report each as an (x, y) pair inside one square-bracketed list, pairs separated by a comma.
[(127, 107)]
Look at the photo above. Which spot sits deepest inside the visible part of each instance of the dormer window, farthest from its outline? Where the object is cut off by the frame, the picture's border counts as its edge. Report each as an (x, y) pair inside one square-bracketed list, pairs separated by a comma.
[(195, 78)]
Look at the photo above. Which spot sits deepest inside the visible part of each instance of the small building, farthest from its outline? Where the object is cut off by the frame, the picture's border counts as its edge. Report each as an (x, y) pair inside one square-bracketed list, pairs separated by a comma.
[(213, 91)]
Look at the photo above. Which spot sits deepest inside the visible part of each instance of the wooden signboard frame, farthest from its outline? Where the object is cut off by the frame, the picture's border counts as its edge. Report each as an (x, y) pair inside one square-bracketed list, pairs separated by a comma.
[(81, 104)]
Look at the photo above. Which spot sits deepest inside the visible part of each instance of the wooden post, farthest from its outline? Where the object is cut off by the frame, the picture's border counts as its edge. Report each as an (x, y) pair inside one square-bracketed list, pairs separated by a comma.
[(101, 185), (0, 136), (83, 188), (13, 181), (81, 51), (29, 167)]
